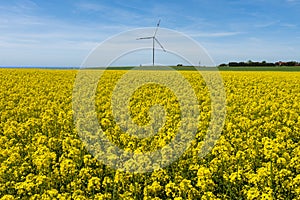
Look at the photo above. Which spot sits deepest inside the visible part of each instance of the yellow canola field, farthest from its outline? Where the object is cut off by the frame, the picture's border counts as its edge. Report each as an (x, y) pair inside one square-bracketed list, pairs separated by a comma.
[(256, 157)]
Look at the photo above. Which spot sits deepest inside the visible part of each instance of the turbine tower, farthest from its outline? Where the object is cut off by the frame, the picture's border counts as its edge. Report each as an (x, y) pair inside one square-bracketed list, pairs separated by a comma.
[(154, 39)]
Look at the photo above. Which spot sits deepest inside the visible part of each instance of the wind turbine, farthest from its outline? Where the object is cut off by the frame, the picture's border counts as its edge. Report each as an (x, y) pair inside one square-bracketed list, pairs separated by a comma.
[(154, 39)]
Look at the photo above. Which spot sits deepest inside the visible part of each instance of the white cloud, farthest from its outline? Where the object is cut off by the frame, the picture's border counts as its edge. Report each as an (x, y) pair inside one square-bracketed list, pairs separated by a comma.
[(214, 34), (111, 13), (289, 25), (267, 24), (86, 6), (27, 38), (20, 7)]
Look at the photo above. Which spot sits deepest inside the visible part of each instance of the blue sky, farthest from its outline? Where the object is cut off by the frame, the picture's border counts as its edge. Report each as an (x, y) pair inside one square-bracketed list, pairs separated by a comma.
[(62, 33)]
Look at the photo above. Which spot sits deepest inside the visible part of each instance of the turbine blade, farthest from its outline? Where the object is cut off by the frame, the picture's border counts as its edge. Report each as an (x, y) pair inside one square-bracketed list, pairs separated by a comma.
[(144, 38), (158, 23), (156, 28), (160, 44)]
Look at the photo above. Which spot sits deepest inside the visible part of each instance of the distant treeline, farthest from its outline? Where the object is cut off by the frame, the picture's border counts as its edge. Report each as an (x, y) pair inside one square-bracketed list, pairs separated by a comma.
[(263, 63)]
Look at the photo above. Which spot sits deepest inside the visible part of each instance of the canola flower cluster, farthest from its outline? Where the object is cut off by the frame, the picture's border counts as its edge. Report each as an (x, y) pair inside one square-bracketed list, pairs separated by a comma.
[(256, 157)]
